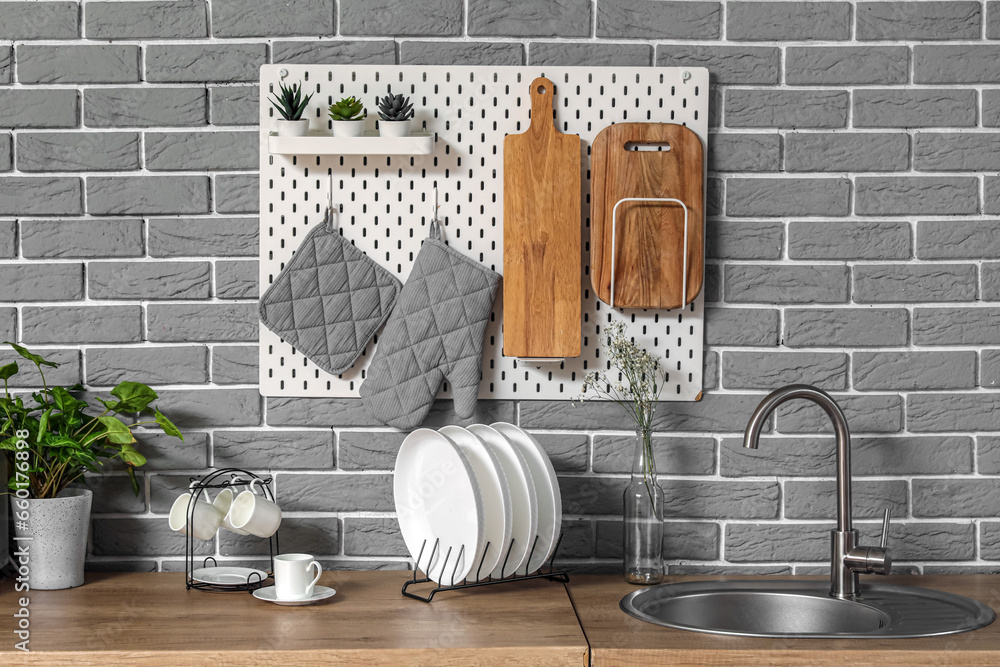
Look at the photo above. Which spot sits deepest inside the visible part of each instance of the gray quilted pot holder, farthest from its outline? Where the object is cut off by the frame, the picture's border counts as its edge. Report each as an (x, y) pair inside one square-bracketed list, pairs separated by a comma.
[(435, 332), (329, 300)]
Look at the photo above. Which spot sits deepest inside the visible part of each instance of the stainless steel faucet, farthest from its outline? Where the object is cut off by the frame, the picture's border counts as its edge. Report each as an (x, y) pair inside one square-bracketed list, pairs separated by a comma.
[(847, 557)]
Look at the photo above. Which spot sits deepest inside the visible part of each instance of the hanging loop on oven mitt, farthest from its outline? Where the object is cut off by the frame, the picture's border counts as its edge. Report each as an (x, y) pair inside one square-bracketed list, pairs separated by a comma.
[(329, 300), (435, 333)]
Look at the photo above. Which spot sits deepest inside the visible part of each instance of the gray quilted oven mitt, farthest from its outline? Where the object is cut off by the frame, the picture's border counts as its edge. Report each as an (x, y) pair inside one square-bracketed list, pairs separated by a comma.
[(329, 300), (435, 332)]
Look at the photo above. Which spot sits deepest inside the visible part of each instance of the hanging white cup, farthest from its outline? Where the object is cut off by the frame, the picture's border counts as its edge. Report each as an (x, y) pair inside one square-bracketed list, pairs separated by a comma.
[(223, 503), (291, 576), (202, 518), (253, 513)]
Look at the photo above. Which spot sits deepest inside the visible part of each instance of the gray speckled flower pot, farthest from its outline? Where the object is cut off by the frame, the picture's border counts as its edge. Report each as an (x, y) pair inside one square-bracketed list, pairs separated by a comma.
[(58, 531)]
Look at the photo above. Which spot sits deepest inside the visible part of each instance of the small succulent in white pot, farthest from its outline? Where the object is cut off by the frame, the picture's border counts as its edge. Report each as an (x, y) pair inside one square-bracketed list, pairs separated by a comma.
[(348, 117), (395, 112), (290, 105)]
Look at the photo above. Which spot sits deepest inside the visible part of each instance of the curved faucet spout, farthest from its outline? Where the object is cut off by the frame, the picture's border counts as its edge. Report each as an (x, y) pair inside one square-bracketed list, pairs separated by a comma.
[(847, 556), (824, 400)]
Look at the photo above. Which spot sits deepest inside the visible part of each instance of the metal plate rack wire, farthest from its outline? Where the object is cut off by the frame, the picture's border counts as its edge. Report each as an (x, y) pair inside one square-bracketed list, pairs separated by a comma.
[(550, 573), (237, 477), (385, 203)]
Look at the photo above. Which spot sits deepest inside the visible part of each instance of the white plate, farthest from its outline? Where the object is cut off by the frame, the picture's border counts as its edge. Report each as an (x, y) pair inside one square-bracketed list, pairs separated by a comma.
[(497, 513), (438, 501), (547, 488), (267, 594), (228, 576), (522, 497)]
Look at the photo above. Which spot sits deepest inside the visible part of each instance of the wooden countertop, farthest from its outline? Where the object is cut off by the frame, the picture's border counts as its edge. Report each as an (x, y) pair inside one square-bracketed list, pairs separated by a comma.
[(151, 619), (618, 639)]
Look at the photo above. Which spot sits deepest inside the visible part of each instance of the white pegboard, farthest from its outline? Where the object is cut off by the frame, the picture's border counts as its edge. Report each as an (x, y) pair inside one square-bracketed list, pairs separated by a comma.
[(386, 202)]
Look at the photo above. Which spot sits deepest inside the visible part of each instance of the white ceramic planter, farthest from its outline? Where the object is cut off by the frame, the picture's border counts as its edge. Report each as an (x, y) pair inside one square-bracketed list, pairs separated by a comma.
[(293, 128), (394, 128), (348, 128), (58, 531)]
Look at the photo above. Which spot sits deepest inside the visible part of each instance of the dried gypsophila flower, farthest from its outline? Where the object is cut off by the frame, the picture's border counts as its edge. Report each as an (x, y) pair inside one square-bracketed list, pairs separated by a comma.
[(640, 391)]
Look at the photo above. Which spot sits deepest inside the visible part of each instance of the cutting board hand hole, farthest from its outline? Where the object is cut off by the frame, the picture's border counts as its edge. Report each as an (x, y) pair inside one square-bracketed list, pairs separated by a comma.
[(659, 147)]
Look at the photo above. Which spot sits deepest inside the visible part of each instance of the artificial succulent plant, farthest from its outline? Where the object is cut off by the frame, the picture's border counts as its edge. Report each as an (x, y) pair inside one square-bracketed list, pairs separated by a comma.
[(349, 108), (290, 104), (395, 107)]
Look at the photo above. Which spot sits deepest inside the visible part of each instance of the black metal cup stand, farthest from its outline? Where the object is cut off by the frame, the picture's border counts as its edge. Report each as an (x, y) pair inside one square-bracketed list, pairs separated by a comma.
[(552, 575), (238, 477)]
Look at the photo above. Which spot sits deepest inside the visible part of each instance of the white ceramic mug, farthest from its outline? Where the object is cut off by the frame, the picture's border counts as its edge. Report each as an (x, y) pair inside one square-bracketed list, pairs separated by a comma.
[(223, 503), (291, 576), (254, 514), (203, 519)]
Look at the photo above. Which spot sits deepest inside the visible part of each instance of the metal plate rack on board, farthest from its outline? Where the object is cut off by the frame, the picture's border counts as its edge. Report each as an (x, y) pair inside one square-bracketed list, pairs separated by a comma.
[(386, 202)]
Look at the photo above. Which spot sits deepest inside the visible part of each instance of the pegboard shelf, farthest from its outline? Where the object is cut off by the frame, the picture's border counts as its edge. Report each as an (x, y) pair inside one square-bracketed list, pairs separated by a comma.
[(316, 143)]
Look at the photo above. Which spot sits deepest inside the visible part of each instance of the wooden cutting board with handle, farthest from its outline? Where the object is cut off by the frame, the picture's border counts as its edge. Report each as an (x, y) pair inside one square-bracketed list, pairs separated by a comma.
[(649, 236), (541, 236)]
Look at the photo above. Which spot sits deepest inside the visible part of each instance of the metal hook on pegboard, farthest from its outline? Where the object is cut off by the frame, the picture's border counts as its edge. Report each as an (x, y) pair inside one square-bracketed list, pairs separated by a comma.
[(434, 232), (328, 214)]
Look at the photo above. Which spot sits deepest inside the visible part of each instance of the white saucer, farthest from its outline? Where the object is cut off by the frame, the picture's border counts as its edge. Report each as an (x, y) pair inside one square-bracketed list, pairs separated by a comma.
[(319, 593), (228, 576)]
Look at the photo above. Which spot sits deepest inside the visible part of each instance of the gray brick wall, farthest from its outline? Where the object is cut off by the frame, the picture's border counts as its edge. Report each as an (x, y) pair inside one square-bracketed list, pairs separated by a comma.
[(852, 242)]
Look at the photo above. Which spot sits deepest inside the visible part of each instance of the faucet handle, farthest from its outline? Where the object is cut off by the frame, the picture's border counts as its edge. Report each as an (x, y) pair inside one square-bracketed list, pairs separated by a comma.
[(885, 529), (878, 560)]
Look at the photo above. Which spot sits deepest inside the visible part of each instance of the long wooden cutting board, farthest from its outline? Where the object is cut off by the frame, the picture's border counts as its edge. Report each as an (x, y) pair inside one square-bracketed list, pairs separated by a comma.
[(649, 239), (541, 236)]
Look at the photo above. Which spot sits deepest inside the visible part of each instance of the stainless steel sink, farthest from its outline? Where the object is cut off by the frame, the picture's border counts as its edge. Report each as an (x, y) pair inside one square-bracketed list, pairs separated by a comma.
[(805, 609), (842, 607)]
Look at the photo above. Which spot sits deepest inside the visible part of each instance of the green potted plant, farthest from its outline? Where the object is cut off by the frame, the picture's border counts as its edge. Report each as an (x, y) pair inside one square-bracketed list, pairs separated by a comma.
[(348, 117), (290, 105), (395, 112), (51, 439)]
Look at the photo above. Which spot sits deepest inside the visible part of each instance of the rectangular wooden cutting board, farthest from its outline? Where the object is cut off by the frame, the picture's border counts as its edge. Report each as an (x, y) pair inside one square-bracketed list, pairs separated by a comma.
[(649, 244), (541, 236)]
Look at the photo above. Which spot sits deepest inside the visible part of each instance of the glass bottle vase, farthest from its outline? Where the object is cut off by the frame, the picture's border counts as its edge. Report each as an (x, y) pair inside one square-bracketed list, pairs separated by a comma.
[(643, 517)]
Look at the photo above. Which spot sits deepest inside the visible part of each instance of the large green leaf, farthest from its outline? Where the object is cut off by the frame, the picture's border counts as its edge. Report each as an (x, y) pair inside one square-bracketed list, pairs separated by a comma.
[(131, 456), (133, 396), (61, 441), (110, 406), (117, 432), (167, 425), (33, 358), (82, 455), (65, 401), (8, 371), (43, 424)]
